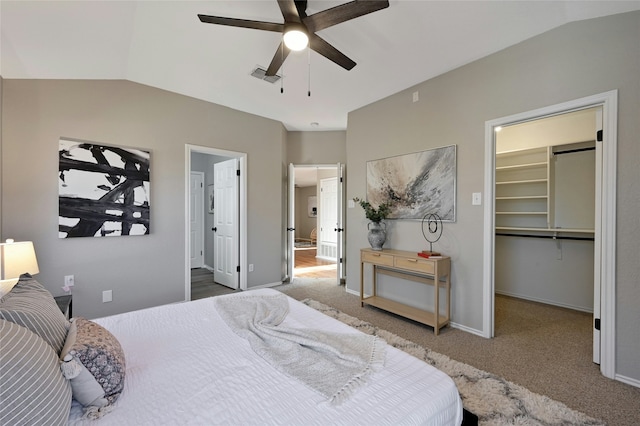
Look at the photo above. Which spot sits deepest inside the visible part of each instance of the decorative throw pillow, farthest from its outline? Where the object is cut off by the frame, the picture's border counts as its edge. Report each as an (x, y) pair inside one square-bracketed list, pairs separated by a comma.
[(31, 305), (32, 391), (94, 363)]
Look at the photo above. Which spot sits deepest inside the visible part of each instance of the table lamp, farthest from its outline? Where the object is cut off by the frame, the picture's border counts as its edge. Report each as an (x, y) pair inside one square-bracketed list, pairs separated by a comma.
[(16, 258)]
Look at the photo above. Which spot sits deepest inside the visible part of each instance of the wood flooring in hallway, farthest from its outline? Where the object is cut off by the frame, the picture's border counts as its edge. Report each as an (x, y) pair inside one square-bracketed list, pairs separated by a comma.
[(306, 265)]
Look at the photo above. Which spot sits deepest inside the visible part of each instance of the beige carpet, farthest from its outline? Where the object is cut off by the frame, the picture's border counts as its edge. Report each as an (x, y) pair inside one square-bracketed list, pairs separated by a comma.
[(493, 399), (543, 348)]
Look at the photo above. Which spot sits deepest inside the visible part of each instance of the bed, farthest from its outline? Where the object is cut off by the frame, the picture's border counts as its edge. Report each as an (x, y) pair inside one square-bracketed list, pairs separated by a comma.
[(185, 365)]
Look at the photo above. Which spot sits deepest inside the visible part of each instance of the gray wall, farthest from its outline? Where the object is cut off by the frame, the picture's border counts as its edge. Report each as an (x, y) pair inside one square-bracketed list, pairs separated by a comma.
[(141, 271), (316, 147), (570, 62)]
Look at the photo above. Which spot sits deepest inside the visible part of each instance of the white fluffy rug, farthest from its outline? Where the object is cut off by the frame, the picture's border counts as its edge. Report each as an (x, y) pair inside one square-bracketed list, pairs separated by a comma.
[(493, 399)]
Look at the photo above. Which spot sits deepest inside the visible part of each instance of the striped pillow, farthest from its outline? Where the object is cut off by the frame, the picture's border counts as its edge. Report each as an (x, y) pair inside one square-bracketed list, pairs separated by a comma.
[(33, 390), (31, 305)]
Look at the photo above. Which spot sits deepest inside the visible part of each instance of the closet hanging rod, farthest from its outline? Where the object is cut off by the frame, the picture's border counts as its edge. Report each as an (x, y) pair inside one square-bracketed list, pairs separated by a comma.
[(551, 237), (571, 151)]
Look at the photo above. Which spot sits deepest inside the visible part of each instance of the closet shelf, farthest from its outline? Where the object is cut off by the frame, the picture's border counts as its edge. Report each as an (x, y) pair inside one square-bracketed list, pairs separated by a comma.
[(524, 213), (523, 197), (512, 182), (521, 166), (554, 230)]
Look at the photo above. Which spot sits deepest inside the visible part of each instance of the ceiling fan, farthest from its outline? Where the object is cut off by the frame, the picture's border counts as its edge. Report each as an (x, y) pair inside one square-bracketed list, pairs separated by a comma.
[(298, 24)]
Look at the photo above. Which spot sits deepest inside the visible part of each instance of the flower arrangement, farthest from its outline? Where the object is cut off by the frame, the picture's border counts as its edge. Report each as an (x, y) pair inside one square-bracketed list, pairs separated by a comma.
[(373, 214)]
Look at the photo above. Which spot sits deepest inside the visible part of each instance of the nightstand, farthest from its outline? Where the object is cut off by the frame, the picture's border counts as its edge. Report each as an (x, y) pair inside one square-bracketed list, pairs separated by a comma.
[(64, 303)]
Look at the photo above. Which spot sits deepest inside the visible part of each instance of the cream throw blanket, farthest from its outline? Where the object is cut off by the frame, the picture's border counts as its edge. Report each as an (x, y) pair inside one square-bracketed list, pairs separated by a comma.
[(333, 364)]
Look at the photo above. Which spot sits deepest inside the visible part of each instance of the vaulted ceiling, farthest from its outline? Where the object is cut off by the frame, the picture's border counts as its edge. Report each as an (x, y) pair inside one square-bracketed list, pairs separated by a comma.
[(164, 45)]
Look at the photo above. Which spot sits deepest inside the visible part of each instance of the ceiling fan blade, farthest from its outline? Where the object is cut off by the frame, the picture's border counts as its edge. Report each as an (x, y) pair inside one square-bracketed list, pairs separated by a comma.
[(344, 12), (243, 23), (278, 59), (289, 10), (330, 52)]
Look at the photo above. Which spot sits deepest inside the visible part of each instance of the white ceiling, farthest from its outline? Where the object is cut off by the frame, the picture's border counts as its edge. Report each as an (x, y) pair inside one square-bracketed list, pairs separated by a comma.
[(163, 44)]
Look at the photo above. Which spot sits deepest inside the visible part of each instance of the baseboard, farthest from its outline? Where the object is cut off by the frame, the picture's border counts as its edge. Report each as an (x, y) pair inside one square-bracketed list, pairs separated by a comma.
[(209, 268), (451, 324), (546, 302), (268, 285), (627, 380), (467, 329)]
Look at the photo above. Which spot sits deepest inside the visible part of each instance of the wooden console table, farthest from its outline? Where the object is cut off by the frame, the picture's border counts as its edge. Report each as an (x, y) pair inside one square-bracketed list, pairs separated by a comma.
[(409, 266)]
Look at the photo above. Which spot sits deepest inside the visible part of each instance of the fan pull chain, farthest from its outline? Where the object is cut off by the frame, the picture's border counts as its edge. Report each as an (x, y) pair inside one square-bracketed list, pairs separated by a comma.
[(309, 79), (282, 67)]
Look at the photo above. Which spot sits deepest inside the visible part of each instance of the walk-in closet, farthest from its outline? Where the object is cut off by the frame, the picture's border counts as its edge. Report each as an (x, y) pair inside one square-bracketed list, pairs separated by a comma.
[(545, 204)]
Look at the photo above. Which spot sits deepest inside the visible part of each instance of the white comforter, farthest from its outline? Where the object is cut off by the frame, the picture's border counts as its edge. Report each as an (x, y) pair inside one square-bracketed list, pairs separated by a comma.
[(186, 367)]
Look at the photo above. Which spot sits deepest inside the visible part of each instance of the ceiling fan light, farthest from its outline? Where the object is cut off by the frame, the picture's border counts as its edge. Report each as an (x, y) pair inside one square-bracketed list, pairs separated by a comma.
[(296, 39)]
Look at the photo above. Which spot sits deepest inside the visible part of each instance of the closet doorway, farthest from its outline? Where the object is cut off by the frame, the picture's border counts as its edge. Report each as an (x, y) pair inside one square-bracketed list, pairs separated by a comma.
[(530, 201)]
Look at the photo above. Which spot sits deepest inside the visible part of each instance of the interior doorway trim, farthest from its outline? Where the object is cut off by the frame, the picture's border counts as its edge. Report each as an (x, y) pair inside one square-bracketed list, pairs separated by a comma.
[(242, 243), (291, 212), (609, 103)]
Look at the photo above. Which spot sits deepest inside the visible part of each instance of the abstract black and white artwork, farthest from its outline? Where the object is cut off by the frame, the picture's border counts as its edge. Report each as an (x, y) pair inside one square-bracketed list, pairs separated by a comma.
[(103, 190), (415, 184)]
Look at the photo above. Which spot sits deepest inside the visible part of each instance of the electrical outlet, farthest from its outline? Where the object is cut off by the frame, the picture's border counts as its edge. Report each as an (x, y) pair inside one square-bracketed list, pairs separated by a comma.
[(68, 283), (107, 296), (251, 267), (416, 96)]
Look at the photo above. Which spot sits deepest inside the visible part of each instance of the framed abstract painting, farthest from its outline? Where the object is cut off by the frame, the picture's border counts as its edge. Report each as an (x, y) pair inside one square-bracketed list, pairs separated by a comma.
[(415, 184), (103, 191)]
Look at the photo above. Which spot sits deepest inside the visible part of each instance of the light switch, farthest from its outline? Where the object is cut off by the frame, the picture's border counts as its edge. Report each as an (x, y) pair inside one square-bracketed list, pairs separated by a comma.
[(476, 198)]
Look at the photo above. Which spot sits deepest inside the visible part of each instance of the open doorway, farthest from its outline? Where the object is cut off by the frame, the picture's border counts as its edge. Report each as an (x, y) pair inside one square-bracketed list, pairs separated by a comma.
[(545, 192), (603, 230), (215, 222), (315, 213)]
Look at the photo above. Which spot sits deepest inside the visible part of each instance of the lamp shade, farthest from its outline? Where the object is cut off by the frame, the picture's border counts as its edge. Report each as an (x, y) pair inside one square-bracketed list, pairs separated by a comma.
[(17, 258)]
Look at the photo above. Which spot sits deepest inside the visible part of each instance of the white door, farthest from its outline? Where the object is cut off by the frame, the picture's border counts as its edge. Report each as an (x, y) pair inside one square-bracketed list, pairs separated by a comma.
[(597, 244), (226, 230), (196, 212), (291, 223), (328, 207), (328, 220), (339, 228)]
